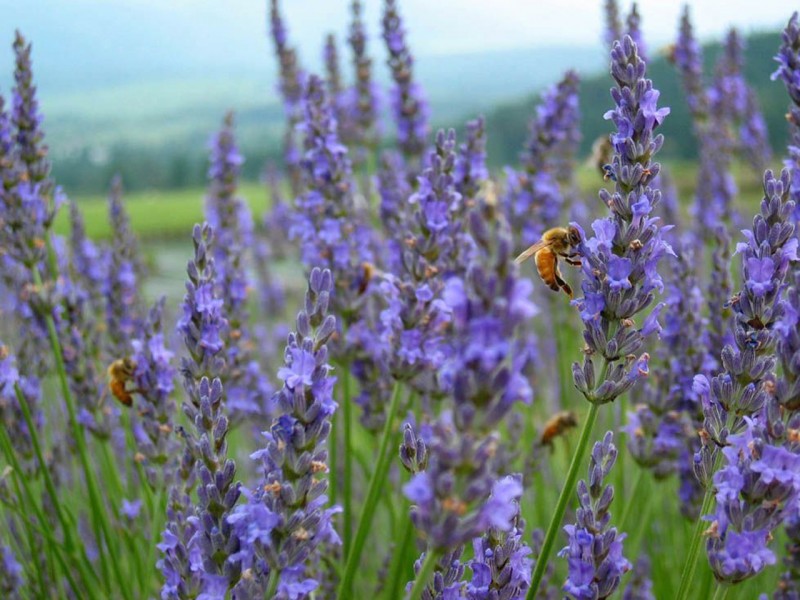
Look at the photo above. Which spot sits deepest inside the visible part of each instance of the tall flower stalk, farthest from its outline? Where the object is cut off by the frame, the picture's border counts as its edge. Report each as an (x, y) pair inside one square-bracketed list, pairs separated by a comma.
[(464, 492), (594, 552), (740, 390), (246, 389), (410, 109), (788, 58), (287, 518), (619, 263)]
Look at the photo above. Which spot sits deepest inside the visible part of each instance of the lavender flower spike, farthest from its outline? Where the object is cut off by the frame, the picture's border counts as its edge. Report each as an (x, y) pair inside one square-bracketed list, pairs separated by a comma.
[(789, 72), (620, 262), (409, 107), (534, 198), (287, 517), (154, 378), (200, 326), (739, 390), (594, 552), (363, 123), (246, 388), (501, 567)]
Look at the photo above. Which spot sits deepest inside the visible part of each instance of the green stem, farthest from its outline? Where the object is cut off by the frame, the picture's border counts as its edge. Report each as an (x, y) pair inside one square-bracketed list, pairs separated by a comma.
[(272, 584), (400, 565), (20, 481), (48, 481), (347, 459), (721, 592), (376, 488), (563, 500), (687, 575), (425, 571), (99, 515)]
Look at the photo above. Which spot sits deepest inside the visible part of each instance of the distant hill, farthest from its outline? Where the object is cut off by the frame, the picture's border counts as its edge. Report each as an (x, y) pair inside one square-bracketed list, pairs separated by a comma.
[(153, 126), (507, 133)]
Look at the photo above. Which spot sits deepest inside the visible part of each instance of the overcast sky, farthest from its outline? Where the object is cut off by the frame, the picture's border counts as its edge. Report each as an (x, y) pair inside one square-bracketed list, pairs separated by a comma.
[(229, 33)]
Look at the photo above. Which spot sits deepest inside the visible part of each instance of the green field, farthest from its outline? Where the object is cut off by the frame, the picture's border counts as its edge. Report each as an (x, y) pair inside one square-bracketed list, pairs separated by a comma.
[(168, 215), (156, 214)]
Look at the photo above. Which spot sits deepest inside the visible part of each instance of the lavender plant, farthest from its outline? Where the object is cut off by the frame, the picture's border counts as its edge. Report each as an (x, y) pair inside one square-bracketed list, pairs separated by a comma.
[(534, 198), (461, 494), (286, 518), (788, 58), (619, 263), (594, 552), (738, 393)]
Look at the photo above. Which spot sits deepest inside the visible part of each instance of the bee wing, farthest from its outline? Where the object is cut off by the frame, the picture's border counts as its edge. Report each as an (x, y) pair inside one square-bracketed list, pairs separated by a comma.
[(531, 251)]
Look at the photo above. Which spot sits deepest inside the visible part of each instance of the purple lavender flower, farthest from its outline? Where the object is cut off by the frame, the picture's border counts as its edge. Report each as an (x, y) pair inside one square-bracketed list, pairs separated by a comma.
[(154, 379), (246, 389), (11, 582), (787, 390), (662, 427), (757, 485), (292, 80), (734, 102), (89, 264), (470, 168), (788, 58), (200, 548), (687, 56), (11, 414), (594, 553), (199, 325), (462, 494), (123, 285), (286, 518), (633, 25), (640, 586), (613, 30), (27, 120), (446, 582), (620, 263), (394, 191), (534, 198), (409, 106), (28, 197), (75, 323), (501, 567), (770, 247), (330, 230), (363, 104)]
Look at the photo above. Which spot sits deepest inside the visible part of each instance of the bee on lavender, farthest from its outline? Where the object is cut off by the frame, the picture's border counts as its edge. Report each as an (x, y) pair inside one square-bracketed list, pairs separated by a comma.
[(555, 242)]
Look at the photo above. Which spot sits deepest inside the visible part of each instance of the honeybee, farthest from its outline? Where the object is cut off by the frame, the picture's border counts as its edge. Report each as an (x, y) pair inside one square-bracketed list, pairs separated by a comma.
[(120, 372), (555, 242), (558, 425)]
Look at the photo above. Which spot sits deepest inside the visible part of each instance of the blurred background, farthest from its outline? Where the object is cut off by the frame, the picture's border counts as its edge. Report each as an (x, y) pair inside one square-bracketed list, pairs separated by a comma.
[(137, 86)]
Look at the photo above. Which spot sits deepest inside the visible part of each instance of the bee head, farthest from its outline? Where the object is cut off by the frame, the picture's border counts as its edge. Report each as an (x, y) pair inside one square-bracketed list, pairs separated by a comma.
[(573, 235)]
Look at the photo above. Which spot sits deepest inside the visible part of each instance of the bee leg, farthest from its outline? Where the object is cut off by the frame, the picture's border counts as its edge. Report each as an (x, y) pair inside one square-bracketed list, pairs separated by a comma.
[(563, 285), (574, 263)]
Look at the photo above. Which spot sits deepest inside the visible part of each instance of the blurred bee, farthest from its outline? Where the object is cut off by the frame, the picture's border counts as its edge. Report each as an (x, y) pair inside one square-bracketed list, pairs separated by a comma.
[(558, 425), (555, 242), (602, 152), (120, 372)]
